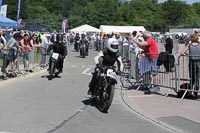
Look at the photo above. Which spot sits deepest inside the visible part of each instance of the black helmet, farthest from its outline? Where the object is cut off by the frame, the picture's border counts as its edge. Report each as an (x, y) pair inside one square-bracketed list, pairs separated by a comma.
[(59, 38), (83, 35)]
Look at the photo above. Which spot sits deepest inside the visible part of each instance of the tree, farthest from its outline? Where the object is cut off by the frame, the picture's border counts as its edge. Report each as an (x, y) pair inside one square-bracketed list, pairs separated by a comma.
[(152, 15), (175, 12)]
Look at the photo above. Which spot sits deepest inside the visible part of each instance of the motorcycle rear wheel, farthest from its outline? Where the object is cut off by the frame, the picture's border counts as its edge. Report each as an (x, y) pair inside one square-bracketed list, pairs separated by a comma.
[(83, 52), (51, 71)]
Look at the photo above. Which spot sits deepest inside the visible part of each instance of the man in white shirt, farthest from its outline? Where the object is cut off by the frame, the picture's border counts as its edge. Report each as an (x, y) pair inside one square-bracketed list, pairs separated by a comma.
[(43, 50)]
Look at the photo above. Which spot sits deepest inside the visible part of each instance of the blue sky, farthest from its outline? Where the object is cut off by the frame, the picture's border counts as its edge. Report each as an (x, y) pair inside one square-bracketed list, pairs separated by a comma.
[(188, 1)]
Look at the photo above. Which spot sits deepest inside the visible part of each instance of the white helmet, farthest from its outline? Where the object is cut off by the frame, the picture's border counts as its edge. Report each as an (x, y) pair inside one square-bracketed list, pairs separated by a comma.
[(112, 44)]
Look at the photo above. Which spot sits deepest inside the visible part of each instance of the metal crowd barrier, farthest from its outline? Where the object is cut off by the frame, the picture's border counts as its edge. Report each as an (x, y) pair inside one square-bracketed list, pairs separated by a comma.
[(171, 77), (141, 72), (34, 62), (188, 71)]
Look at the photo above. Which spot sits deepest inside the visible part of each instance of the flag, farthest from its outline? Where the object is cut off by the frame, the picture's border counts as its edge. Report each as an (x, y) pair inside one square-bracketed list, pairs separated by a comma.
[(3, 10), (64, 25), (18, 9), (0, 4)]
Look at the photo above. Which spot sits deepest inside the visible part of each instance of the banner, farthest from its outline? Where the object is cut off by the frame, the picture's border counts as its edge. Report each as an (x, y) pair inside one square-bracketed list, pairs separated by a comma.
[(0, 4), (3, 10), (18, 9), (64, 25)]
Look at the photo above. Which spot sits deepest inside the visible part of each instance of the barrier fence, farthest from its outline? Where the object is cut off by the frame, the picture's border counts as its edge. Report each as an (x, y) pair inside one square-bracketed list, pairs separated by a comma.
[(188, 71), (174, 72), (16, 67)]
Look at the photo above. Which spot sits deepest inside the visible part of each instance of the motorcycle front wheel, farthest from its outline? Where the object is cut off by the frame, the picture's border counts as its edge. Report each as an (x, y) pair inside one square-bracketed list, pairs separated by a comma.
[(106, 99)]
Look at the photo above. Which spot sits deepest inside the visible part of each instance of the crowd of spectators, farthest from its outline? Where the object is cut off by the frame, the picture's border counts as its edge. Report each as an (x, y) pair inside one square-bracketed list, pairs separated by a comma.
[(21, 44)]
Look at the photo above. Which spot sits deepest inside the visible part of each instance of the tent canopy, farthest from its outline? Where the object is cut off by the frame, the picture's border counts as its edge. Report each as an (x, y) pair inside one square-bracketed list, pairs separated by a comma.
[(85, 28), (6, 22), (121, 29)]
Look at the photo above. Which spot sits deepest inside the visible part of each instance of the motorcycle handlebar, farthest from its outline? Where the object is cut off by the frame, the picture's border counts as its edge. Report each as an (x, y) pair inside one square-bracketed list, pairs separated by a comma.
[(104, 68)]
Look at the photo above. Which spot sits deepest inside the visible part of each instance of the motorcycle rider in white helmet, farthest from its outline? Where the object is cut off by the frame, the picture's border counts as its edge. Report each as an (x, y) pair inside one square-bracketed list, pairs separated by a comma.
[(106, 57)]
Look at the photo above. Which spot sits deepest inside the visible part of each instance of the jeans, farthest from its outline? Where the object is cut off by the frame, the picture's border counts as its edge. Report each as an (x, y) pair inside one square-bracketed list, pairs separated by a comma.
[(6, 61), (43, 56), (94, 81), (194, 70)]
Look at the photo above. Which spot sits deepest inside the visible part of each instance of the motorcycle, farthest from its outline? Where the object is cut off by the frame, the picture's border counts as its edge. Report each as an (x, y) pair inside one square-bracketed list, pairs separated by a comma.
[(104, 90), (83, 52), (54, 68), (76, 45)]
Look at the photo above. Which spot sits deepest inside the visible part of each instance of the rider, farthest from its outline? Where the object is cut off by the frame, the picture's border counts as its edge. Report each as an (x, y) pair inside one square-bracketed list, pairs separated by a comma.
[(84, 41), (106, 57), (76, 41), (58, 47)]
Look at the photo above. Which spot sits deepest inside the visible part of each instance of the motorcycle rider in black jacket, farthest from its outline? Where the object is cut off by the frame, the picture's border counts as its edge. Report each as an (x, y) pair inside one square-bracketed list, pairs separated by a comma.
[(106, 57), (58, 47), (84, 40), (76, 41)]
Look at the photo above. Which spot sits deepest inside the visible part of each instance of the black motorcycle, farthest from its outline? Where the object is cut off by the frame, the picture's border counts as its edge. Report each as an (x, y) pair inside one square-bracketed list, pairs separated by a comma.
[(77, 45), (83, 51), (104, 89), (54, 69)]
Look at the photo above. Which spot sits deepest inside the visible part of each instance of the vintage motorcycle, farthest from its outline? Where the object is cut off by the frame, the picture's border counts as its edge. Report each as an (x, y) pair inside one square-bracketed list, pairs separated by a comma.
[(83, 50), (54, 69), (77, 45), (104, 89)]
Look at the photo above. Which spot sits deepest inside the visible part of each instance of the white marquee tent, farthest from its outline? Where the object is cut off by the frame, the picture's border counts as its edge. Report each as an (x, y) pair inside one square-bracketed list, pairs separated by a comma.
[(85, 28), (121, 29)]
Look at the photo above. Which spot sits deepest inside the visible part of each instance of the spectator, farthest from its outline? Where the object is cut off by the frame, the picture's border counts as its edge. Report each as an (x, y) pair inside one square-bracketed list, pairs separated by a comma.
[(168, 48), (134, 33), (2, 47), (2, 38), (53, 37), (26, 48), (150, 47), (65, 40), (71, 39), (126, 45), (194, 62), (105, 40), (199, 35), (35, 41), (12, 44), (43, 49), (168, 43)]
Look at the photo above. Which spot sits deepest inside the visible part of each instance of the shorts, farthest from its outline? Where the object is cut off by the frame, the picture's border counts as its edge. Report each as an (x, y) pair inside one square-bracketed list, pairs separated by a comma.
[(154, 67), (26, 55)]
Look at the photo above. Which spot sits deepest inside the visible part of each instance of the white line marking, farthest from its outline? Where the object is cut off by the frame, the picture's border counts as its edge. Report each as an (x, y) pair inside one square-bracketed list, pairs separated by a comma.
[(141, 96), (74, 66), (83, 66), (91, 66), (89, 74), (85, 71)]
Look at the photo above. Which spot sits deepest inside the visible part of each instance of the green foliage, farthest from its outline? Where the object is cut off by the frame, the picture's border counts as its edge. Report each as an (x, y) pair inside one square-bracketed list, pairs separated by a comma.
[(149, 13)]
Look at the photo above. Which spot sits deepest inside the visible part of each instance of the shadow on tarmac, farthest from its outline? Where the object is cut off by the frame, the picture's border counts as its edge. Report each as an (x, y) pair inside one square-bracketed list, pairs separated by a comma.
[(48, 77), (88, 102)]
